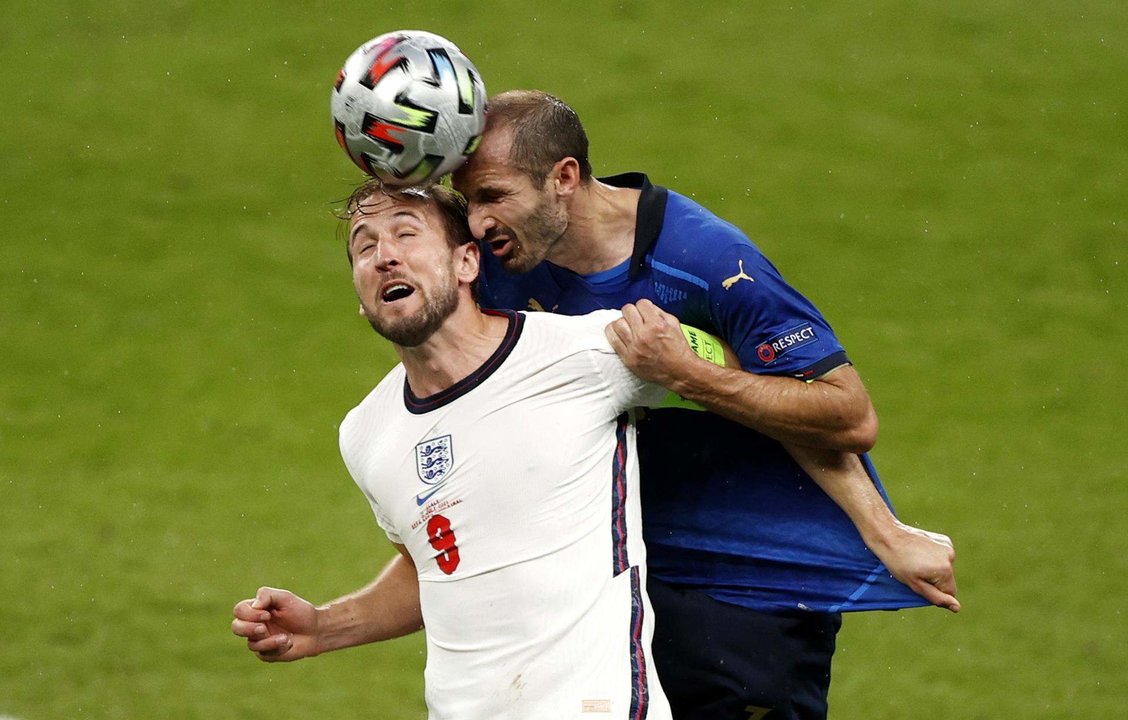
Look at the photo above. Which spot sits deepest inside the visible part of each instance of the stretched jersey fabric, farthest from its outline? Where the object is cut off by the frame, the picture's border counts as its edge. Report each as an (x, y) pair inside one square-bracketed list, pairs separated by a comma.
[(515, 492), (726, 509)]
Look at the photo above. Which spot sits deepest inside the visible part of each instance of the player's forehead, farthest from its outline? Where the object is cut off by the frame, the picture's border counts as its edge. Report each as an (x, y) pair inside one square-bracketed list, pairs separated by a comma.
[(490, 166), (379, 210)]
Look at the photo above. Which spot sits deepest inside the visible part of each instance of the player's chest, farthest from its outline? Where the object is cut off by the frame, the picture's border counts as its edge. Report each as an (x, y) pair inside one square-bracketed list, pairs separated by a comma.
[(466, 497), (500, 453)]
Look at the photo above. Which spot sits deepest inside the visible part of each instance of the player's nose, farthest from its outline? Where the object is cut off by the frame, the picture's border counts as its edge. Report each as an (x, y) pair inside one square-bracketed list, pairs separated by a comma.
[(479, 220), (386, 257)]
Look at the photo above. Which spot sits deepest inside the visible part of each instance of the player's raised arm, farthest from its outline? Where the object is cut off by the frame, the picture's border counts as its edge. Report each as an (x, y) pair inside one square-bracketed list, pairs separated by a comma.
[(281, 627), (653, 344), (833, 411)]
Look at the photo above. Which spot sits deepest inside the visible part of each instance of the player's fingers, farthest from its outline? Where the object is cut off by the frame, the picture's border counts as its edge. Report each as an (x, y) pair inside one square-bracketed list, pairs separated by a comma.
[(617, 332), (268, 597), (936, 596), (245, 610), (632, 315), (651, 313), (270, 644), (244, 628), (646, 309), (273, 645), (947, 584), (619, 336)]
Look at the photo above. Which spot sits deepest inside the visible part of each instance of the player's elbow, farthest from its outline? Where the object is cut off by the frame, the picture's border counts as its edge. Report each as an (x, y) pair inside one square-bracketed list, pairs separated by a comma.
[(855, 420), (847, 431), (860, 436)]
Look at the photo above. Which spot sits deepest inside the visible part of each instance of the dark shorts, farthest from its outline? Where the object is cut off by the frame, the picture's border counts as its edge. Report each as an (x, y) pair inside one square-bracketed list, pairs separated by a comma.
[(719, 661)]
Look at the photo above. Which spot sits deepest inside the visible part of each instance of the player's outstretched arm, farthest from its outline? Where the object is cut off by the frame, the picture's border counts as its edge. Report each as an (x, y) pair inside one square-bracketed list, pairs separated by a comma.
[(280, 626), (922, 560), (831, 412)]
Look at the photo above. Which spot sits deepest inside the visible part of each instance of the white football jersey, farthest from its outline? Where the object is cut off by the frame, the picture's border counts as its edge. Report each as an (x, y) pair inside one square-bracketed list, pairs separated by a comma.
[(516, 494)]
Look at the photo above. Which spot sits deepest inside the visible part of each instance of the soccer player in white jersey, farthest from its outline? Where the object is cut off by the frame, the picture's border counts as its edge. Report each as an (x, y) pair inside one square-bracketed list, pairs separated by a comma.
[(499, 459)]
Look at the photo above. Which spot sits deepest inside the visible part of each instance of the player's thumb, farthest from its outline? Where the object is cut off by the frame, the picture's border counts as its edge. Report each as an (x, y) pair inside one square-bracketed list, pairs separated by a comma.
[(937, 597), (267, 598)]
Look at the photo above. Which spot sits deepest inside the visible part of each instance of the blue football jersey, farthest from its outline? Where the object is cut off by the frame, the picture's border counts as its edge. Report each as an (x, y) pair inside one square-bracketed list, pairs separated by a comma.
[(726, 510)]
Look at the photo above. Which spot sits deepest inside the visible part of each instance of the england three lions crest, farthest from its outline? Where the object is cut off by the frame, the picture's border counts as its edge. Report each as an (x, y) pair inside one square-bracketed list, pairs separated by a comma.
[(434, 459)]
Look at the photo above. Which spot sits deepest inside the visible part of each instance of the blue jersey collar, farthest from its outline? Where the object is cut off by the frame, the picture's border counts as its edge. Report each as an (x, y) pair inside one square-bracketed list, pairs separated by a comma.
[(651, 212)]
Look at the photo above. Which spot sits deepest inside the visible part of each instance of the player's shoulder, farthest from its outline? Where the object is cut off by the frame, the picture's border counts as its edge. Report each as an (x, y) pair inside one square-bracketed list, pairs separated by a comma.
[(694, 238), (570, 326), (698, 253), (562, 335), (695, 223), (373, 408)]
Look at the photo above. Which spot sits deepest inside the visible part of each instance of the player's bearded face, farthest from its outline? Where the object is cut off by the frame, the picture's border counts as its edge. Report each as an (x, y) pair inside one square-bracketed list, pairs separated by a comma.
[(534, 237), (438, 303), (404, 269)]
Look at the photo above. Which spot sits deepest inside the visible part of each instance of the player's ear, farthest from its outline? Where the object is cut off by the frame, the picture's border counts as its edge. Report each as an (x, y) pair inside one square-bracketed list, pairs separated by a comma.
[(565, 176), (467, 260)]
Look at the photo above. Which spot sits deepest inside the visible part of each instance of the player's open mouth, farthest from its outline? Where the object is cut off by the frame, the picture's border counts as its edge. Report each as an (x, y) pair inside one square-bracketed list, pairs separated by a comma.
[(395, 290), (501, 246)]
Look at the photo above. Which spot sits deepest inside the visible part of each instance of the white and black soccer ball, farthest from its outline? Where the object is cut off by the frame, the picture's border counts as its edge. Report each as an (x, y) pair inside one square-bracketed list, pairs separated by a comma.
[(408, 107)]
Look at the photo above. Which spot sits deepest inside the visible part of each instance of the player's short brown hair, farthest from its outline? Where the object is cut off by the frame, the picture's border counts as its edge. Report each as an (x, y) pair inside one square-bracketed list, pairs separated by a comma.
[(450, 204), (544, 130)]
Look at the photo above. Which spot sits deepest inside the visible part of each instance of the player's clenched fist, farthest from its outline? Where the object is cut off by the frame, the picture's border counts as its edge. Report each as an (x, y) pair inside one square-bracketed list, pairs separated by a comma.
[(651, 344), (278, 625), (922, 560)]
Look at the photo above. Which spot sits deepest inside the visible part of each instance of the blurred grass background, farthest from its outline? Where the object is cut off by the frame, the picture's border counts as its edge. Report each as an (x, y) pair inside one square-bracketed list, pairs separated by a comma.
[(178, 337)]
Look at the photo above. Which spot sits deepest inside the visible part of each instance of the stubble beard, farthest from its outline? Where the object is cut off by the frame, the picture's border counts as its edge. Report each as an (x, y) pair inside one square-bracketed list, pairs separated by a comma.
[(416, 329), (542, 230)]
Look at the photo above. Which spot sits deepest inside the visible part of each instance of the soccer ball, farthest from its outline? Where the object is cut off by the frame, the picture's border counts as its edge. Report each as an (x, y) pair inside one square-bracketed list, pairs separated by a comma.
[(408, 107)]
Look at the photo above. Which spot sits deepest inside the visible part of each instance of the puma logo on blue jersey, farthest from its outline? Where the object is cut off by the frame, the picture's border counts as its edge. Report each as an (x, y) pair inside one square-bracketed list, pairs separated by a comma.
[(729, 282)]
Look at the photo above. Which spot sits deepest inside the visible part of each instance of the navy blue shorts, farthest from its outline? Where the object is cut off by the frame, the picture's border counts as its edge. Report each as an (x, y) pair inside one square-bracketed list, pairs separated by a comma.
[(719, 661)]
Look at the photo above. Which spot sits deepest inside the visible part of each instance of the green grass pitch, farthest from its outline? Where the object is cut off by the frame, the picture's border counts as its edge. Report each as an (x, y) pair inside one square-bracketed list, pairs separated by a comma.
[(179, 339)]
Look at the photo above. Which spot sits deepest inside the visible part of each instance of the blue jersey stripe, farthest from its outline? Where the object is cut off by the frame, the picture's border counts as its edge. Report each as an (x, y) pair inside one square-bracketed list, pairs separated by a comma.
[(873, 576), (680, 274)]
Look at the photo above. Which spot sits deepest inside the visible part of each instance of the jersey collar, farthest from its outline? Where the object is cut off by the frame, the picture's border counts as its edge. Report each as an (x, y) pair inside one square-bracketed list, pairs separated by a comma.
[(418, 406), (651, 212)]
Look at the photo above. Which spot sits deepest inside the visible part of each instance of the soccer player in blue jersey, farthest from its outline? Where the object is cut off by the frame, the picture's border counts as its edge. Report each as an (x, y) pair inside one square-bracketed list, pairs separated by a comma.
[(764, 519)]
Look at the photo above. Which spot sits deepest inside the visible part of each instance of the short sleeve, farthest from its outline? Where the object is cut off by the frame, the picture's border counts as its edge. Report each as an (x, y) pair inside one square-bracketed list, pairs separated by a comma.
[(384, 523), (627, 389), (772, 327), (351, 454)]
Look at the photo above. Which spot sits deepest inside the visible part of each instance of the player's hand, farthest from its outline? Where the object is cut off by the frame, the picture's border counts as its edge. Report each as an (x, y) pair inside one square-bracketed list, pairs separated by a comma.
[(279, 625), (651, 344), (923, 560)]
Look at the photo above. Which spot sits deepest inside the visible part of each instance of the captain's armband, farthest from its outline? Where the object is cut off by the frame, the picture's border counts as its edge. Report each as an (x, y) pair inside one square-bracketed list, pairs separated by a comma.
[(705, 346)]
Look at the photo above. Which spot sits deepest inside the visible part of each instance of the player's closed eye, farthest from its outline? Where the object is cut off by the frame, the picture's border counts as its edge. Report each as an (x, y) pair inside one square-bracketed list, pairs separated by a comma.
[(485, 197)]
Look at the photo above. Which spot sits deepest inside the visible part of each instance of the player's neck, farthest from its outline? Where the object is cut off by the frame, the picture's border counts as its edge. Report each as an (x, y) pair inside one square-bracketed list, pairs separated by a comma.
[(458, 348), (601, 229)]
